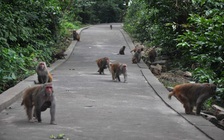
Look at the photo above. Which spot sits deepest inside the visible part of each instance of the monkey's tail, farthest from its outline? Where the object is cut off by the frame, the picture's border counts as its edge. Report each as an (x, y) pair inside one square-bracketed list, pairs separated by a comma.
[(50, 77), (170, 95)]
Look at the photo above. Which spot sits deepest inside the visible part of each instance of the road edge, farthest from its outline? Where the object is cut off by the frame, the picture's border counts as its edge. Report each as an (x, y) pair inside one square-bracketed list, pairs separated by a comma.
[(9, 96)]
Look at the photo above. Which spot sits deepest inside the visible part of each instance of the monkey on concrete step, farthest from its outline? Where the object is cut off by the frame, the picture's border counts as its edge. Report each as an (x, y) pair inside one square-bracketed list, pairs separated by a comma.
[(76, 36), (193, 94), (137, 57)]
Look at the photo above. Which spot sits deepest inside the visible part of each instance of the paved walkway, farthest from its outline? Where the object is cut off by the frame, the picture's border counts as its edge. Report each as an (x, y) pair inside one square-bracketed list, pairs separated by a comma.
[(93, 107)]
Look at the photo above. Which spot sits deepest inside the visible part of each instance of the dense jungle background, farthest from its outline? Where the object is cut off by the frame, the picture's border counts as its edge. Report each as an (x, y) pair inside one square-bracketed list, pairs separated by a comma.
[(189, 32)]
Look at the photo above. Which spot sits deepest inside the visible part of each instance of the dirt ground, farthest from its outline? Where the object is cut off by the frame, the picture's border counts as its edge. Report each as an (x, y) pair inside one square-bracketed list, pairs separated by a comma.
[(172, 78)]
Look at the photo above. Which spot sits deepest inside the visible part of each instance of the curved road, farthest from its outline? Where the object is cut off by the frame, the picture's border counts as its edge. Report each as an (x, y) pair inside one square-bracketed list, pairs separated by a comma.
[(93, 107)]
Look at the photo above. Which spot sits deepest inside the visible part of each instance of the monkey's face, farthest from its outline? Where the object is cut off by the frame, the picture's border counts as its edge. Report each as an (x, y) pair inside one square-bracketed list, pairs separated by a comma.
[(124, 68), (42, 66), (49, 90), (213, 88)]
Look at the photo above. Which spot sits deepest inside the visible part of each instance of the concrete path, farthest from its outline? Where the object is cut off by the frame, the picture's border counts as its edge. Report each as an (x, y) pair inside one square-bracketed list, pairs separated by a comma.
[(93, 107)]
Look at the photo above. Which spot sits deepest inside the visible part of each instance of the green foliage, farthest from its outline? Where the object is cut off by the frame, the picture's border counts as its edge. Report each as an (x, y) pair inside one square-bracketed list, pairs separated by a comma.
[(202, 44), (32, 30), (28, 32), (204, 41), (99, 11), (152, 22), (14, 65)]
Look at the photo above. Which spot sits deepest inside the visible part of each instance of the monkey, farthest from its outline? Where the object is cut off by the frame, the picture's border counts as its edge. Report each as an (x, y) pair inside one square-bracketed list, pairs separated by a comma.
[(117, 69), (76, 36), (111, 27), (121, 52), (193, 94), (60, 55), (137, 57), (102, 64), (137, 47), (39, 98), (43, 75), (152, 55)]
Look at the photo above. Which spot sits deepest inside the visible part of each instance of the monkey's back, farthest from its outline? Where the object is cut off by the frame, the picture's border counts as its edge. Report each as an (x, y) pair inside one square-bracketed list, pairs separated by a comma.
[(192, 89), (29, 94)]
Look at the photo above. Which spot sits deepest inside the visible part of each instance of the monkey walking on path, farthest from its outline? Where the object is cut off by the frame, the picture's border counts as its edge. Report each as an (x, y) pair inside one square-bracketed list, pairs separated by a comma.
[(193, 94), (117, 69), (102, 64), (38, 99)]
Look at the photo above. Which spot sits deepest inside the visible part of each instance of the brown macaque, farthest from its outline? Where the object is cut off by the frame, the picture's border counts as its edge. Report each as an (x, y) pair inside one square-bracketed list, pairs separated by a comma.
[(37, 99), (102, 64), (60, 55), (193, 94), (137, 57), (152, 55), (121, 52), (137, 48), (76, 36), (111, 27), (117, 69), (43, 75)]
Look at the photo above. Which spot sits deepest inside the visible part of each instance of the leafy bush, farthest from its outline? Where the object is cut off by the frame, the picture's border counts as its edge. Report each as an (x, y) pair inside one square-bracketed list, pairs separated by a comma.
[(28, 32), (202, 44), (191, 33)]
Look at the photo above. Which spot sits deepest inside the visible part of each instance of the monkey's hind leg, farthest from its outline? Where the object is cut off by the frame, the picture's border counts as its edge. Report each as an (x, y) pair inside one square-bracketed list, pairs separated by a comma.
[(29, 112), (52, 113), (118, 77), (186, 103), (38, 114)]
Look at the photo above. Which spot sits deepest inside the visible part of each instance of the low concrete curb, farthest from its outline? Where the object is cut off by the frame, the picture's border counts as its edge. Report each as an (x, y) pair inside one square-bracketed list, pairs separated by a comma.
[(11, 95)]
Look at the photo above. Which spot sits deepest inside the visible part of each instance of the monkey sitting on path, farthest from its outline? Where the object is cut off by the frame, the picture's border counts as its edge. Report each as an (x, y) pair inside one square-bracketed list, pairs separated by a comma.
[(39, 98), (43, 75), (193, 94), (121, 52)]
